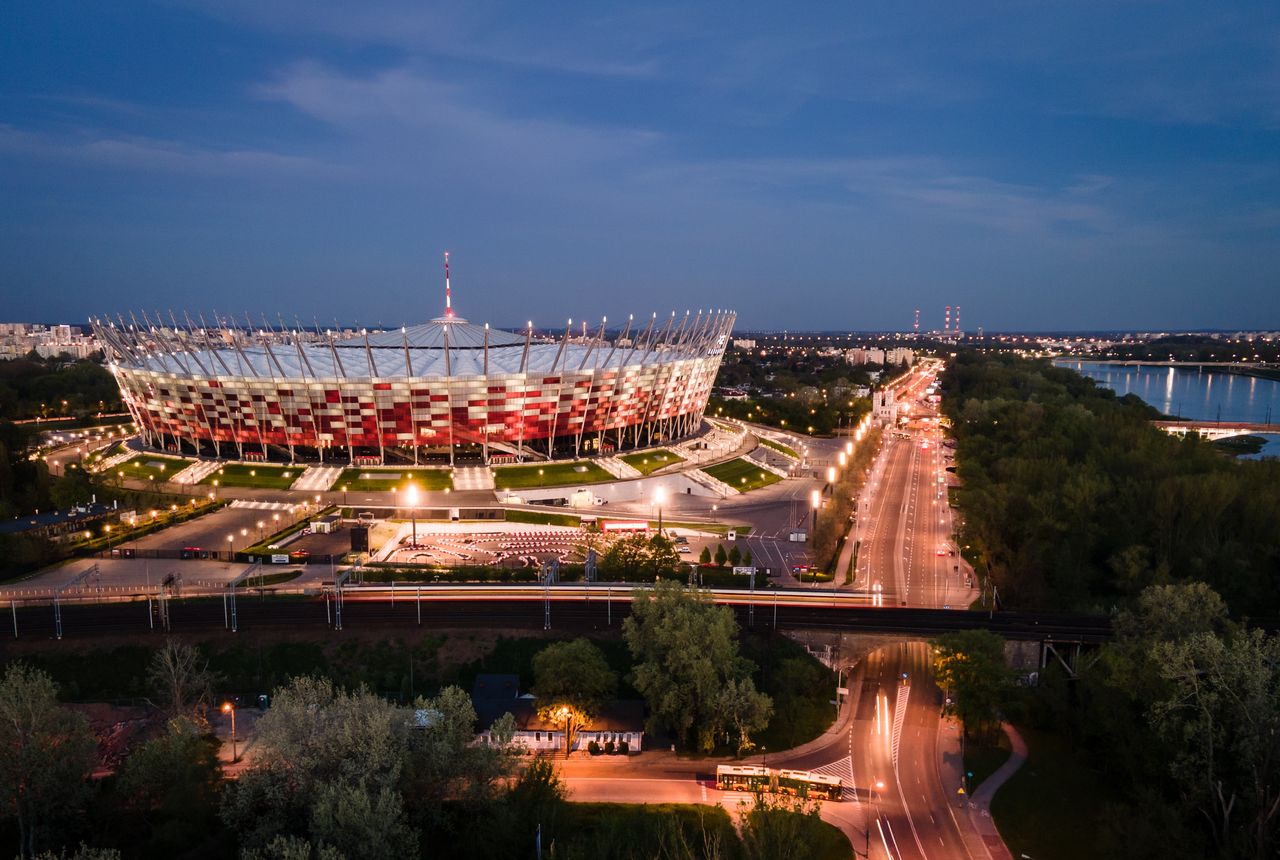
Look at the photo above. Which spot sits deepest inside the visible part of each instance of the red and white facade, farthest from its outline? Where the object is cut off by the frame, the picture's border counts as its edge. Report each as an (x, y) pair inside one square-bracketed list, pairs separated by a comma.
[(447, 385)]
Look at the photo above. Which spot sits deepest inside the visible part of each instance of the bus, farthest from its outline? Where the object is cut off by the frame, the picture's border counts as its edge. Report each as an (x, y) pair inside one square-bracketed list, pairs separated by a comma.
[(806, 783), (742, 777)]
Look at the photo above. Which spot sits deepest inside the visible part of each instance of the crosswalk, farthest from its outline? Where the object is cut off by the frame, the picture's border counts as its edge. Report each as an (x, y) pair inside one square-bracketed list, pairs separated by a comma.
[(842, 768)]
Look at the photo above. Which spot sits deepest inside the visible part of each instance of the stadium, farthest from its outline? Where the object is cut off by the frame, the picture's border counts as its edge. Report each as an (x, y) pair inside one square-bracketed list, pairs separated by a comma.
[(444, 391)]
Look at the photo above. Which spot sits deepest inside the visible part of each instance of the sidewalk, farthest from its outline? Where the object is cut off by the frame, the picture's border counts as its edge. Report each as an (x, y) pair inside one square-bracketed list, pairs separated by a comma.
[(972, 815)]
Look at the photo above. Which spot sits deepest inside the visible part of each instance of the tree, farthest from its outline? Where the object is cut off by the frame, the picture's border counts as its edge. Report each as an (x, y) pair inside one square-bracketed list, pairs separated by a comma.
[(443, 762), (747, 558), (361, 824), (735, 555), (705, 556), (777, 828), (640, 558), (721, 557), (84, 852), (183, 680), (744, 710), (686, 651), (48, 753), (315, 735), (1222, 719), (970, 666), (173, 783), (571, 681), (290, 848)]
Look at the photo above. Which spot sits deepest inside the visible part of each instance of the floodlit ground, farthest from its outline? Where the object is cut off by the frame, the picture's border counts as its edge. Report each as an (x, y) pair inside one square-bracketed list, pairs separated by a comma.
[(382, 480), (646, 462), (550, 475), (254, 475), (742, 475)]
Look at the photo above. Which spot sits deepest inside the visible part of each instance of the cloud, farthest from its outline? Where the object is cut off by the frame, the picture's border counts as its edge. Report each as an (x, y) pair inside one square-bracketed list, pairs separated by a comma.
[(152, 155)]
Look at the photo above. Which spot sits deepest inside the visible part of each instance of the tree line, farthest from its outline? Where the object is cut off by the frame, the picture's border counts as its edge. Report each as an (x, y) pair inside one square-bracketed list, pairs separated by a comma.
[(1073, 500)]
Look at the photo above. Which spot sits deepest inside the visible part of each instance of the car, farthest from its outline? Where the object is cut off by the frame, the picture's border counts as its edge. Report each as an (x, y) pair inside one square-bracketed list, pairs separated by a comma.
[(684, 549), (941, 551)]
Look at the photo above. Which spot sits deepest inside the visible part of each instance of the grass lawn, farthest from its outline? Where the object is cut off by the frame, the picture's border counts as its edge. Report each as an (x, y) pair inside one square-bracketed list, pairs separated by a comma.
[(255, 475), (380, 480), (712, 528), (779, 447), (550, 475), (147, 467), (742, 475), (1029, 809), (648, 462), (982, 761)]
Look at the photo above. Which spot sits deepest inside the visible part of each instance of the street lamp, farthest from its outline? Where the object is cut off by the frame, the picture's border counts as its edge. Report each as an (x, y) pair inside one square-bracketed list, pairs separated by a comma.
[(261, 525), (230, 708), (831, 478), (566, 713), (815, 502), (107, 531), (344, 495), (215, 488), (659, 497), (231, 546), (411, 497)]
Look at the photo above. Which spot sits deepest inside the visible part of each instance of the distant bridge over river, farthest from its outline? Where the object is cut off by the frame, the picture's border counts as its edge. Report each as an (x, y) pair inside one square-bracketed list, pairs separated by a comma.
[(1216, 429)]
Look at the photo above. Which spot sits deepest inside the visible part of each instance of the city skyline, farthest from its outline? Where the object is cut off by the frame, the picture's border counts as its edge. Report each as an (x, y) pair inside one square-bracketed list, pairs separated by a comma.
[(1048, 169)]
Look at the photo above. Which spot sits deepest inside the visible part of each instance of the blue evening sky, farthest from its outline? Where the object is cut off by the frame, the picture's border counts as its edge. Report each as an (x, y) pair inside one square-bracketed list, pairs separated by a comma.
[(1071, 164)]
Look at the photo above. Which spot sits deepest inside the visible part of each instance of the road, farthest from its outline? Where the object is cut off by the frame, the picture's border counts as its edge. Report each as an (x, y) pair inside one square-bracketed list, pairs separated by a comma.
[(905, 530)]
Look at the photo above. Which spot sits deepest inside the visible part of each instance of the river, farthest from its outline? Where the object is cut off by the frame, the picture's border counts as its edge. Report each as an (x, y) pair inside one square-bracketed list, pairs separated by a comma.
[(1195, 393)]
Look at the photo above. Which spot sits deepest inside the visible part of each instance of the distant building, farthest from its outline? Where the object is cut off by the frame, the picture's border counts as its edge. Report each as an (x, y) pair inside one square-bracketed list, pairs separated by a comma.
[(744, 343), (55, 523), (494, 695)]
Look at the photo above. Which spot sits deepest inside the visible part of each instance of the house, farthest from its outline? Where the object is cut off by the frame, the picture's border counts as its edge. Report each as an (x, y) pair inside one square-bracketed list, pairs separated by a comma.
[(619, 721)]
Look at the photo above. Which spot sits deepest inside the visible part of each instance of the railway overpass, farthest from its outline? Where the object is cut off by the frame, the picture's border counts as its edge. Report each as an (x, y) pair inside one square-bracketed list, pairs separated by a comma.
[(575, 608)]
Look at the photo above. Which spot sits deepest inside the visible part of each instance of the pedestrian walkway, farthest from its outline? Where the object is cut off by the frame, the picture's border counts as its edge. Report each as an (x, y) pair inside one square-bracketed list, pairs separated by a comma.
[(317, 479), (619, 468), (473, 478), (255, 505), (197, 472)]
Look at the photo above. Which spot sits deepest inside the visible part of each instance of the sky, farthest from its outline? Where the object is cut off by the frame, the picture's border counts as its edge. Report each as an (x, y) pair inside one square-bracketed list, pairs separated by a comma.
[(813, 166)]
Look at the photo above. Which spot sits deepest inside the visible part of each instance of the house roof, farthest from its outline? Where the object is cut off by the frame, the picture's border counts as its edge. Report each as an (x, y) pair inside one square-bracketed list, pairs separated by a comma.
[(619, 715)]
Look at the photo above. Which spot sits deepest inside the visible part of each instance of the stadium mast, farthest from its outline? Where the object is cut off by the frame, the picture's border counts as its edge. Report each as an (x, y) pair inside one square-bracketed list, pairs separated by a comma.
[(448, 300)]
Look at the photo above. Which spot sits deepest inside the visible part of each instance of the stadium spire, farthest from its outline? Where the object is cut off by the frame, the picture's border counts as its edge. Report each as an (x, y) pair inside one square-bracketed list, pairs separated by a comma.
[(448, 302)]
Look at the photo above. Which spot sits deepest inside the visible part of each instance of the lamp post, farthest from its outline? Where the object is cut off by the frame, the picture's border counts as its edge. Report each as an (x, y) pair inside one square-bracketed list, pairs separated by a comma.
[(659, 497), (831, 480), (215, 488), (230, 708), (231, 547), (107, 530), (565, 713), (344, 495), (411, 497), (815, 502)]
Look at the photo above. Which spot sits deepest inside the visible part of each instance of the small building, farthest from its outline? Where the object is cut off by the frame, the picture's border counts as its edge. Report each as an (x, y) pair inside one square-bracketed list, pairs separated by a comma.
[(619, 721), (56, 523), (326, 525)]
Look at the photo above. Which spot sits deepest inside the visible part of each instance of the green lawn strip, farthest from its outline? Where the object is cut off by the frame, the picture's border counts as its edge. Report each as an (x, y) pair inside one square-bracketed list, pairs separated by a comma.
[(270, 579), (550, 475), (146, 467), (254, 475), (539, 518), (779, 447), (428, 480), (713, 528), (648, 462), (1029, 810), (742, 475)]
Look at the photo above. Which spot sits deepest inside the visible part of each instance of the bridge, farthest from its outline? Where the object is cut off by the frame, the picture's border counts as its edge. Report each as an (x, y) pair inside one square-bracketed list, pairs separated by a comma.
[(1216, 429), (578, 608)]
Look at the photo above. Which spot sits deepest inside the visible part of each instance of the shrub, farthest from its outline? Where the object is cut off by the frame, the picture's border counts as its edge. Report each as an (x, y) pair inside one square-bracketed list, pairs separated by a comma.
[(624, 748), (593, 748), (608, 747)]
